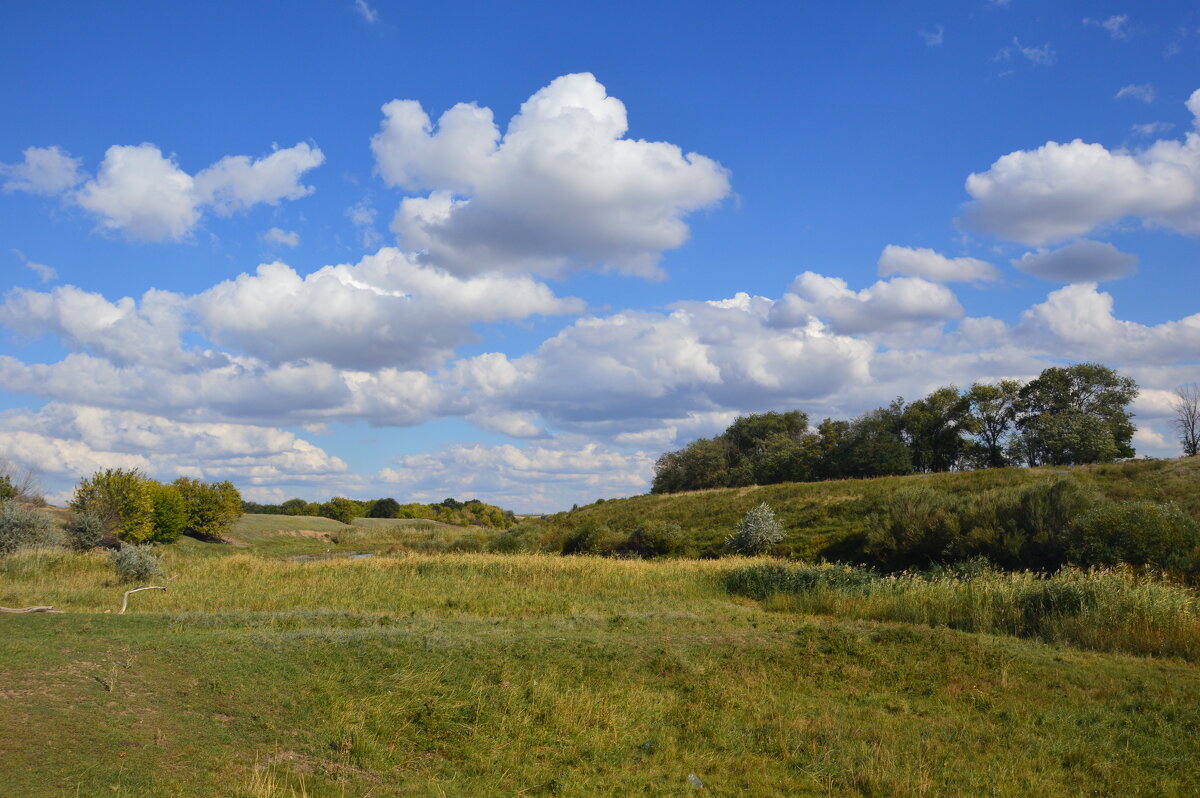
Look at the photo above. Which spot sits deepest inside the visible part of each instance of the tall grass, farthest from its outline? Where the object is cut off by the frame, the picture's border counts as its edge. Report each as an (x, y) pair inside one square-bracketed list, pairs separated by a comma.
[(1104, 609)]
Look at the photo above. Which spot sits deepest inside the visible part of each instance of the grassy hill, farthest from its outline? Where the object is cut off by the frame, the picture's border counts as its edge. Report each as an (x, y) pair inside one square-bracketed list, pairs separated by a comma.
[(822, 519)]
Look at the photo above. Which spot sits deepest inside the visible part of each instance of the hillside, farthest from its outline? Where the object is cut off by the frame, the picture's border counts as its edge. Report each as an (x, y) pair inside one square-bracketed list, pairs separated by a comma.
[(824, 519)]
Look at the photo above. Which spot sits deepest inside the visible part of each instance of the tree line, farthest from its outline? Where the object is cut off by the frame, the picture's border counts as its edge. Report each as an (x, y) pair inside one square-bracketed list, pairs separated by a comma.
[(471, 512), (1066, 416)]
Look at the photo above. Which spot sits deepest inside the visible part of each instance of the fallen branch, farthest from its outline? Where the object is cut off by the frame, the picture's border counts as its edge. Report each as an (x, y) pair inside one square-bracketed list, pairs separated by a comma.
[(125, 601), (29, 609)]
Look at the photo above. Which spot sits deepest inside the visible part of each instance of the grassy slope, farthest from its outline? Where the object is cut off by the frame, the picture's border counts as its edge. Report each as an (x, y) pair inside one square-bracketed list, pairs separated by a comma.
[(819, 515), (458, 674)]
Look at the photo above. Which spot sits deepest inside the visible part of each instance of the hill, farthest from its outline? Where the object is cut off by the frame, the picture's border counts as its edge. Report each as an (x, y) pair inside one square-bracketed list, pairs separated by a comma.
[(828, 519)]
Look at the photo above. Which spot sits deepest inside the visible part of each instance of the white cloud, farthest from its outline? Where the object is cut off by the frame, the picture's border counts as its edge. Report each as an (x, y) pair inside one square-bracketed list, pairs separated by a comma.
[(1061, 191), (562, 189), (888, 305), (369, 15), (124, 331), (1081, 261), (933, 266), (387, 310), (1117, 25), (236, 182), (362, 216), (70, 441), (286, 238), (532, 478), (1137, 91), (933, 37), (45, 273), (1043, 56), (1149, 129), (45, 170), (146, 196), (1078, 321)]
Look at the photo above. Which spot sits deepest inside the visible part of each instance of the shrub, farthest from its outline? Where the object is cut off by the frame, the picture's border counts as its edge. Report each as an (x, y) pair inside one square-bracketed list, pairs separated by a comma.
[(761, 581), (122, 499), (212, 507), (384, 508), (654, 539), (912, 527), (517, 539), (86, 530), (593, 538), (1137, 533), (22, 529), (339, 508), (135, 563), (758, 531), (170, 515)]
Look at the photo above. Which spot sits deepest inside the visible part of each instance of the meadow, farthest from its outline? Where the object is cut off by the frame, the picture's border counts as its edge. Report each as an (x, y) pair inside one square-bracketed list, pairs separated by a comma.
[(282, 664)]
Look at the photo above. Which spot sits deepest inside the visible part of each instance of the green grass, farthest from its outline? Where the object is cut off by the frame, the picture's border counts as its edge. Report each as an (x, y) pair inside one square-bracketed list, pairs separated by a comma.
[(827, 519), (257, 674)]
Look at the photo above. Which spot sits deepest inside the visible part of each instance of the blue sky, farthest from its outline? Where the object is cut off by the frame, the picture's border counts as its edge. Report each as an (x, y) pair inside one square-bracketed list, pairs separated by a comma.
[(241, 240)]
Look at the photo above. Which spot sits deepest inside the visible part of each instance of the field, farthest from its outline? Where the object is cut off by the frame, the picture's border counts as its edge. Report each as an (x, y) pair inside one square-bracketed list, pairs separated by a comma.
[(281, 664)]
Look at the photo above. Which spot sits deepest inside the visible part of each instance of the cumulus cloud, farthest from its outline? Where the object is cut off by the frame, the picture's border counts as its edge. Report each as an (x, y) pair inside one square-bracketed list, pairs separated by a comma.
[(1137, 91), (1078, 321), (1061, 191), (68, 440), (532, 478), (45, 170), (561, 189), (888, 305), (930, 265), (386, 310), (286, 238), (1081, 261), (146, 196)]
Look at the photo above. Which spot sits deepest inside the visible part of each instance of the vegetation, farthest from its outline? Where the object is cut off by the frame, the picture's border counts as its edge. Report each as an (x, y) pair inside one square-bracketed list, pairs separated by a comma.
[(1019, 518), (135, 563), (21, 528), (472, 512), (133, 508), (463, 674), (757, 533), (1067, 416)]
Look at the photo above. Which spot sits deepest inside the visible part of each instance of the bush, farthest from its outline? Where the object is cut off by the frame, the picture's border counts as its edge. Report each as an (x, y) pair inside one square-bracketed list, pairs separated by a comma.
[(86, 530), (212, 507), (122, 499), (758, 531), (170, 513), (593, 538), (760, 581), (1137, 533), (912, 527), (654, 539), (384, 508), (23, 529), (522, 538), (339, 508), (135, 563)]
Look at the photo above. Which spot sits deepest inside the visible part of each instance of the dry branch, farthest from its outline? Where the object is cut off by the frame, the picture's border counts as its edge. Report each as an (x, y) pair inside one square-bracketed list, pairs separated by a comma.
[(29, 609), (125, 600)]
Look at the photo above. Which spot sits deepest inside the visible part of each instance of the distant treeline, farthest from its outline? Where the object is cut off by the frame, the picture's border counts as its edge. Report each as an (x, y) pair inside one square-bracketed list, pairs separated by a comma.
[(472, 512), (1067, 416)]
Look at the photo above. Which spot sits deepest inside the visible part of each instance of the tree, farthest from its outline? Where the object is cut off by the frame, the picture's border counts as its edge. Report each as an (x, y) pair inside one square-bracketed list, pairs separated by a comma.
[(873, 446), (170, 515), (1073, 415), (1187, 418), (294, 507), (992, 409), (123, 500), (339, 508), (934, 427), (384, 508), (212, 507)]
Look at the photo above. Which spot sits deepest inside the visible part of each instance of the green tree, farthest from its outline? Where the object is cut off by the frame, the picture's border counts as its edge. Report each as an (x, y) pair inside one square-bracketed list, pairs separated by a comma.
[(170, 514), (384, 508), (212, 507), (935, 428), (339, 508), (1077, 414), (873, 446), (294, 506), (123, 500), (993, 414)]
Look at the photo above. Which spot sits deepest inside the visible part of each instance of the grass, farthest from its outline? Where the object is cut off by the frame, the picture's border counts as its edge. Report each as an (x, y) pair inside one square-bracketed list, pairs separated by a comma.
[(257, 674), (828, 519)]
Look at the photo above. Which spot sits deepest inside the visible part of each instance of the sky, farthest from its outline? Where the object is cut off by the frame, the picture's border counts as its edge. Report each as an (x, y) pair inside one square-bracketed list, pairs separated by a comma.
[(517, 251)]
